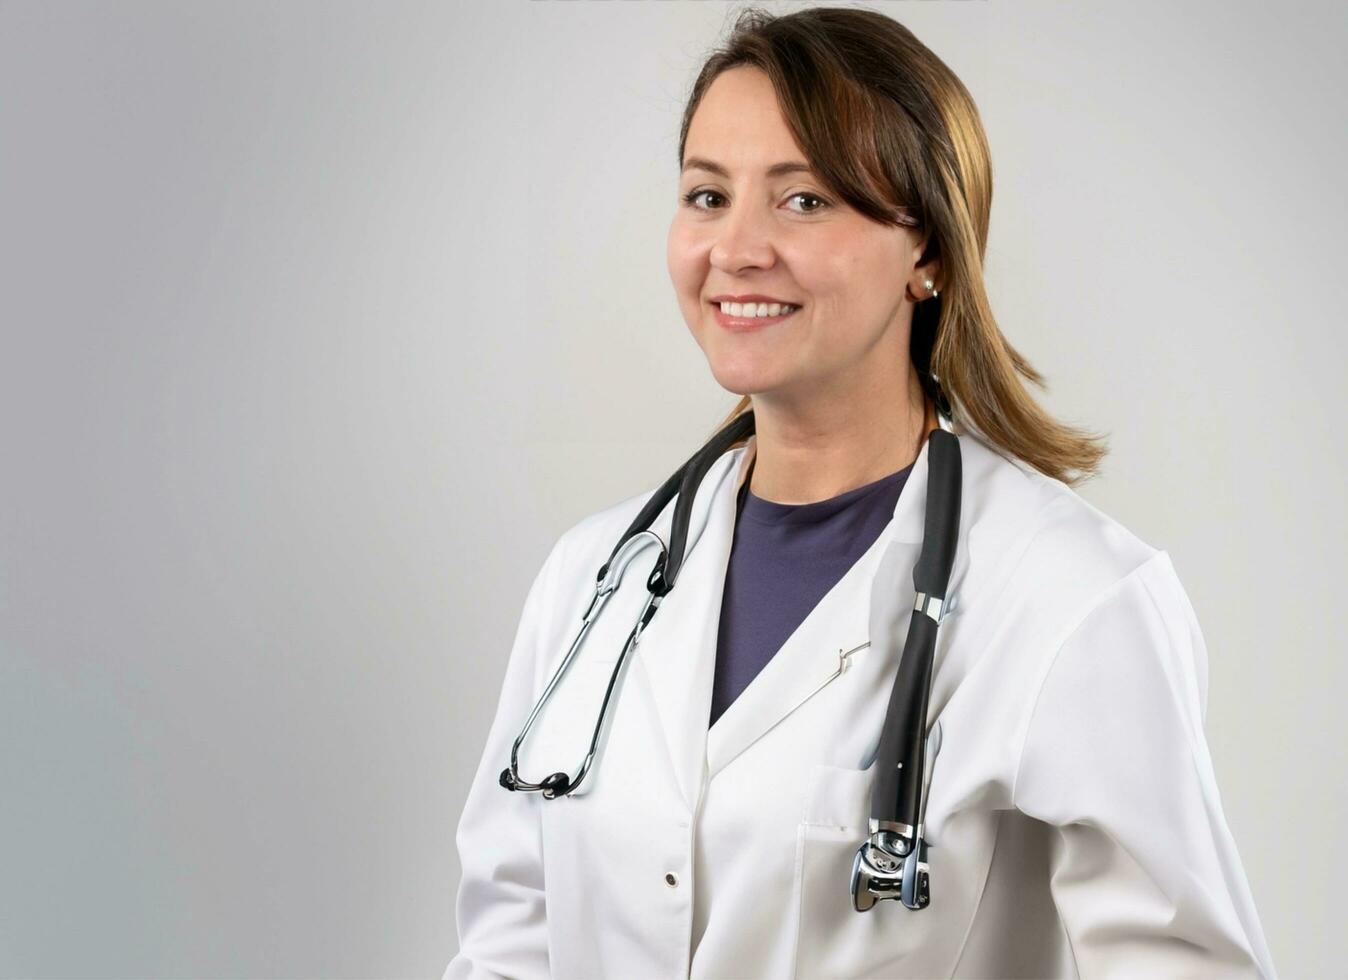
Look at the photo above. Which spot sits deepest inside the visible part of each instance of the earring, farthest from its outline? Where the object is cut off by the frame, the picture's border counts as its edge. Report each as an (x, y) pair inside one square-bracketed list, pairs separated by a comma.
[(929, 284)]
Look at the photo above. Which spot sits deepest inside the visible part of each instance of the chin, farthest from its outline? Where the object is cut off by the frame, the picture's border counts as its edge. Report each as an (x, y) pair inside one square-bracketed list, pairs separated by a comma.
[(744, 379)]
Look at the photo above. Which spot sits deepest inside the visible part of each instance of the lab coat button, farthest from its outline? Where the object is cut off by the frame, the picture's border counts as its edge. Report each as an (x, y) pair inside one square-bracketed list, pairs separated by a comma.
[(671, 879)]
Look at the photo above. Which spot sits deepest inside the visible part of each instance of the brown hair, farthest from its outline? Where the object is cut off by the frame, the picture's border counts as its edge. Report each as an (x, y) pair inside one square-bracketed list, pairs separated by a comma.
[(890, 129)]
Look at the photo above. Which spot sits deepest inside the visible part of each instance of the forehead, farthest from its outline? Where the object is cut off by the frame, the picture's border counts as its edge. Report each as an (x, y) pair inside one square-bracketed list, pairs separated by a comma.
[(739, 124)]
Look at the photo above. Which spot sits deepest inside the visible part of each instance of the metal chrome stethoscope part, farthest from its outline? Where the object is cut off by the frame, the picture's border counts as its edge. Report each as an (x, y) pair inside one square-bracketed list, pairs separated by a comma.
[(892, 862), (560, 783), (683, 485)]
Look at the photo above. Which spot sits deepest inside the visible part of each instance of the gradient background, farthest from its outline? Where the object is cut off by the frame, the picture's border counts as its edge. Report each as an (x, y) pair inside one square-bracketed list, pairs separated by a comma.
[(321, 321)]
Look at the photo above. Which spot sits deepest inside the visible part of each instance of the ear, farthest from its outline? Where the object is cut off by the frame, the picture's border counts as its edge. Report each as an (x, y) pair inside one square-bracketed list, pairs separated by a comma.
[(932, 271), (916, 286)]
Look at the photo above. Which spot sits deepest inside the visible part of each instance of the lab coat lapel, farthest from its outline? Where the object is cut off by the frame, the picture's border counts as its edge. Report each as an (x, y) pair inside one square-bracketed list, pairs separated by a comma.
[(677, 652), (809, 658)]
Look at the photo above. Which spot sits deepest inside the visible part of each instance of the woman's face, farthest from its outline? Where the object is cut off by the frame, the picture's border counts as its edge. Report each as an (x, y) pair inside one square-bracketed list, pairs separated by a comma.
[(747, 231)]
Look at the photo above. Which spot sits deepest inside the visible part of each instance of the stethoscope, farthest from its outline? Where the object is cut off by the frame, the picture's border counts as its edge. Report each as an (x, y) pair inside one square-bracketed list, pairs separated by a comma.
[(892, 861)]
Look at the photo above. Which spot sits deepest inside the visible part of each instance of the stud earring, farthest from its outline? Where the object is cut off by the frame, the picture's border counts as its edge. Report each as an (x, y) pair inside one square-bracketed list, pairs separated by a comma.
[(930, 284)]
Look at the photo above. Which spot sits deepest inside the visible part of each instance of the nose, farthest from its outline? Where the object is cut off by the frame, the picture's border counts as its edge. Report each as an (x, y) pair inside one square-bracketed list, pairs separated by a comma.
[(743, 239)]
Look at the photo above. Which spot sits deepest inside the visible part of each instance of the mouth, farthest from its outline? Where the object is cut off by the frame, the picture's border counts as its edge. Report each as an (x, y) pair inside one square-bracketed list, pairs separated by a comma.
[(747, 324)]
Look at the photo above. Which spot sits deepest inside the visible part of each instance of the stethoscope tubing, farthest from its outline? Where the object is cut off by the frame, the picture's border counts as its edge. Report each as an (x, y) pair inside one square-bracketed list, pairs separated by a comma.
[(610, 578), (897, 793)]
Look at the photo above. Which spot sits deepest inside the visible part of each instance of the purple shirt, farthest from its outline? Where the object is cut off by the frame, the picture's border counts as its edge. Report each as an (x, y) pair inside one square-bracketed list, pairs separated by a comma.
[(783, 560)]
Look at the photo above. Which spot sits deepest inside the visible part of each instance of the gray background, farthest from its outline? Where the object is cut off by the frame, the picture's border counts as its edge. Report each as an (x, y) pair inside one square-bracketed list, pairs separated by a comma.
[(322, 321)]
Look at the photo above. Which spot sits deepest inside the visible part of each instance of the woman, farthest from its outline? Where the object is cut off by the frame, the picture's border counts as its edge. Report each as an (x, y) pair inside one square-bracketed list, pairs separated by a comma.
[(827, 256)]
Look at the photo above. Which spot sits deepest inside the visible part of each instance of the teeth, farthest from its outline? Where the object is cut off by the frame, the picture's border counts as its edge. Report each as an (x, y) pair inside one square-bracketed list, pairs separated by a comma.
[(757, 309)]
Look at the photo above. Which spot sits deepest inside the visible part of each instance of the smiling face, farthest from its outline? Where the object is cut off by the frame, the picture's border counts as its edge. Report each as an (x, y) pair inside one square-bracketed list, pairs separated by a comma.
[(746, 227)]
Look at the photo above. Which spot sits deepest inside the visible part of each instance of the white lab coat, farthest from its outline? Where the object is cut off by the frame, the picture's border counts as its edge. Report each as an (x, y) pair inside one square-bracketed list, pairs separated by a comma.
[(1074, 820)]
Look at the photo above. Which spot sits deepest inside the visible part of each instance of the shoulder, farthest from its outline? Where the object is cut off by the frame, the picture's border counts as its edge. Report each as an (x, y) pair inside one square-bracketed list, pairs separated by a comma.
[(1039, 556), (565, 582), (590, 540), (1045, 568), (1039, 524)]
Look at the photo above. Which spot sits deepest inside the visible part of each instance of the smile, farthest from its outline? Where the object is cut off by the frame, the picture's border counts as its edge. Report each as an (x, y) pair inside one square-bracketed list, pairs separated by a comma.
[(744, 324)]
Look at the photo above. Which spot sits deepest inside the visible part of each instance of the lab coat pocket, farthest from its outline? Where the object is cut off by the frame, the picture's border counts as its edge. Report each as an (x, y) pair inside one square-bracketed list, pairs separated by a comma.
[(838, 798), (833, 939)]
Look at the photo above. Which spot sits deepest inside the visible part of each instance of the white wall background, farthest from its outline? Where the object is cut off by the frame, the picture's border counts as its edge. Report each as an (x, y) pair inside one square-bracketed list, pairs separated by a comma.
[(321, 321)]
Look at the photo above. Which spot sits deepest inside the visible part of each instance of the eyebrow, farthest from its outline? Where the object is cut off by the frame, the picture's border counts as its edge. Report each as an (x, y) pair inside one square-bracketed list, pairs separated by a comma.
[(776, 170)]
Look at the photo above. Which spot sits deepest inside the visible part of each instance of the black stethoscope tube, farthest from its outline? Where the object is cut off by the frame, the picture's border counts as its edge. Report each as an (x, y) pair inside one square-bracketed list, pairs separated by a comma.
[(892, 862), (685, 481), (896, 795)]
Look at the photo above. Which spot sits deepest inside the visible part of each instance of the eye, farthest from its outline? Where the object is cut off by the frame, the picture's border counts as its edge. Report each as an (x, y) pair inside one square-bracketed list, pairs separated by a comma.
[(814, 197), (692, 196), (690, 200)]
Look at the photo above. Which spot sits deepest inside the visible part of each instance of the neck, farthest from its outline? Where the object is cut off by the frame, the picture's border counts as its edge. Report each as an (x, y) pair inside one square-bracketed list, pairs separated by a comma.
[(805, 454)]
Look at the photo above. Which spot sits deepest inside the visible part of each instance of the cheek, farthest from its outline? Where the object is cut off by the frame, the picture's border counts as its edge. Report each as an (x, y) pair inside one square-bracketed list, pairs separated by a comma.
[(820, 265), (685, 275), (688, 274), (851, 287), (839, 267), (681, 253)]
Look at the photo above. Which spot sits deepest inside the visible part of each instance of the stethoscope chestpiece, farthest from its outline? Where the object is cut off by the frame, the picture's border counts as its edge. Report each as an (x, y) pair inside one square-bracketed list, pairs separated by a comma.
[(880, 872), (892, 861)]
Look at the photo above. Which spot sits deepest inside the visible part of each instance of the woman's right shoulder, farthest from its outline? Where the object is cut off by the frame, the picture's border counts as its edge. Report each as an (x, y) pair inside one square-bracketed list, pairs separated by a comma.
[(565, 583), (590, 539), (597, 533)]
